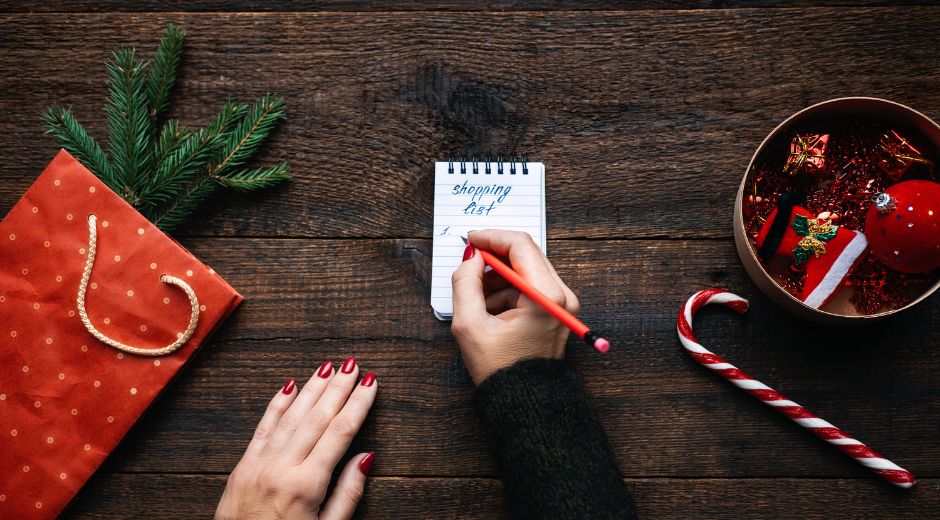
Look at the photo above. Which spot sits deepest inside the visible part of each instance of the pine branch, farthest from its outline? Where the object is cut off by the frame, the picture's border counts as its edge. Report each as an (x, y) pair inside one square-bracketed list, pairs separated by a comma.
[(176, 171), (171, 136), (250, 133), (184, 205), (129, 126), (72, 136), (166, 174), (186, 180), (248, 180), (163, 72)]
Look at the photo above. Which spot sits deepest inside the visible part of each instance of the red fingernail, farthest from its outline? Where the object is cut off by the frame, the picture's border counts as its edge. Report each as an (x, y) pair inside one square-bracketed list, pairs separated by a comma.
[(348, 365), (468, 252), (368, 379), (366, 462), (325, 370), (289, 387)]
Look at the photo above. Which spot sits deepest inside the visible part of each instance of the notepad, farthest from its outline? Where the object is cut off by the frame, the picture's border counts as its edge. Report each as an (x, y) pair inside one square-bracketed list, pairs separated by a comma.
[(480, 195)]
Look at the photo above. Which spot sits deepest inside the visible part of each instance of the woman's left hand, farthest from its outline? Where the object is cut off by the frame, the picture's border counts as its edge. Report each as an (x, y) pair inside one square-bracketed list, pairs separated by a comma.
[(285, 472)]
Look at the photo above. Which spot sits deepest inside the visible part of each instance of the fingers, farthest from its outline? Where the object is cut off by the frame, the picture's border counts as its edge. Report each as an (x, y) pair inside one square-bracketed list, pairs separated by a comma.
[(317, 418), (266, 427), (334, 442), (502, 300), (571, 304), (349, 488), (525, 257), (292, 417), (494, 282), (468, 297)]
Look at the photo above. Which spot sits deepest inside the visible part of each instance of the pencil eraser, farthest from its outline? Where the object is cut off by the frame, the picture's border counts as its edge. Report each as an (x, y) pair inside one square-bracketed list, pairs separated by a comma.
[(601, 345)]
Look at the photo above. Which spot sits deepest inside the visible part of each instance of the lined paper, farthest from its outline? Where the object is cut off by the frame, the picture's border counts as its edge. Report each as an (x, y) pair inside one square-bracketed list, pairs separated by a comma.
[(465, 201)]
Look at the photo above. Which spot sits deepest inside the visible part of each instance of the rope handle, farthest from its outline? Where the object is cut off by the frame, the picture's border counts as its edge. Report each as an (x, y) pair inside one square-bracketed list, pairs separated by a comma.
[(181, 337)]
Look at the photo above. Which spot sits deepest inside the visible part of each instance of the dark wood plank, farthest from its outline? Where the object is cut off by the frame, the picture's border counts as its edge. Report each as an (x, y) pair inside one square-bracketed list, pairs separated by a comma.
[(642, 117), (666, 416), (195, 496), (81, 6)]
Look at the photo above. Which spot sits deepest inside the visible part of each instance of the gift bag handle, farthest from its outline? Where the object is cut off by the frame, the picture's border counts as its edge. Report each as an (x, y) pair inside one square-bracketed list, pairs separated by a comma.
[(181, 338)]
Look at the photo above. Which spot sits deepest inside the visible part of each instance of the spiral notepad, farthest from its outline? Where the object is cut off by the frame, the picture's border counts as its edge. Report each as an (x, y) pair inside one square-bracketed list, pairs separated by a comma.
[(470, 195)]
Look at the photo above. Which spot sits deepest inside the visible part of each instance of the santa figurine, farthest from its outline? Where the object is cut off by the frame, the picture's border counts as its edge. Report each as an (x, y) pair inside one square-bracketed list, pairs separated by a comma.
[(827, 252)]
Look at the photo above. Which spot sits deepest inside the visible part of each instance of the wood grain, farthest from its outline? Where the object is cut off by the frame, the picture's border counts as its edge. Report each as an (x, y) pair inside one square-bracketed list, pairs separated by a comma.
[(641, 117), (666, 416), (128, 496), (408, 5)]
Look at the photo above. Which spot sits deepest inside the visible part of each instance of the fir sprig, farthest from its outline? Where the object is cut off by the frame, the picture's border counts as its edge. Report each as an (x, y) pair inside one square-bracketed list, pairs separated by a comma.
[(242, 142), (72, 135), (255, 179), (166, 174), (191, 156), (163, 72)]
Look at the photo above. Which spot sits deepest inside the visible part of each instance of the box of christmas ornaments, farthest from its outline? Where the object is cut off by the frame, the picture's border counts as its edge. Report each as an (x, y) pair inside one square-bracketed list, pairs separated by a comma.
[(838, 216)]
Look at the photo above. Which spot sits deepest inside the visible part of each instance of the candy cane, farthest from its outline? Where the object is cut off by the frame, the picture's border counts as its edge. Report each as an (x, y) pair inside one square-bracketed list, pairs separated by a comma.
[(852, 447)]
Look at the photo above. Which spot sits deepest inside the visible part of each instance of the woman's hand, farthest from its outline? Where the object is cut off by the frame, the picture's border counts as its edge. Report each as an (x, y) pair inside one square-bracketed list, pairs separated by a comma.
[(494, 324), (286, 469)]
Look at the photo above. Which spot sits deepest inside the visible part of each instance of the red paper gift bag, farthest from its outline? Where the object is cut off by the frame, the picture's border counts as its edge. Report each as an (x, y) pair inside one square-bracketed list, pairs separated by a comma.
[(66, 397)]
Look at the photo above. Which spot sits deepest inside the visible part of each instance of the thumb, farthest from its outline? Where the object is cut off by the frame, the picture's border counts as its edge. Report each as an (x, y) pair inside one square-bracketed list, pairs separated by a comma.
[(467, 282)]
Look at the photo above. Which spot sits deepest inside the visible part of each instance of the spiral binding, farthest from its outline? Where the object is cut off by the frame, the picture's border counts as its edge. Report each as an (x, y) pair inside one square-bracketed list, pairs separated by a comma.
[(488, 165)]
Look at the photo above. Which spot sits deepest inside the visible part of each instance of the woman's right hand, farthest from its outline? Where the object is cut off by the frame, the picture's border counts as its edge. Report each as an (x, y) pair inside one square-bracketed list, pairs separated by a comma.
[(494, 324)]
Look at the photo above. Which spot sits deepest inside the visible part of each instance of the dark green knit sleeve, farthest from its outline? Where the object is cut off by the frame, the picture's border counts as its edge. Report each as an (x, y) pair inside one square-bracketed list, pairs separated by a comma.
[(552, 453)]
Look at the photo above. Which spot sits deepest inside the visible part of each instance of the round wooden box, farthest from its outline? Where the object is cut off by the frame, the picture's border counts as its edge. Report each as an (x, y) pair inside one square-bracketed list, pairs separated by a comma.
[(840, 310)]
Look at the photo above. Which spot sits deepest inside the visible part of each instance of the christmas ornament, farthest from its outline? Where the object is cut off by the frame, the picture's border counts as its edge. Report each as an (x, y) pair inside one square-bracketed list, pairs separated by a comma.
[(165, 174), (898, 155), (827, 252), (807, 154), (862, 158), (847, 444), (903, 226)]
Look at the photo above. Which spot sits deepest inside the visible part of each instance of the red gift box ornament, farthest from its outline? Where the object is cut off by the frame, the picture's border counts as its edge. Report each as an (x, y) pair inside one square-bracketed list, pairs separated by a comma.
[(80, 270), (827, 251), (807, 154), (898, 155)]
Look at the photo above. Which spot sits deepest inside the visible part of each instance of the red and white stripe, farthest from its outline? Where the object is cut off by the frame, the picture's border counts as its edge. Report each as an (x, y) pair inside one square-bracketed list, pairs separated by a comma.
[(824, 430)]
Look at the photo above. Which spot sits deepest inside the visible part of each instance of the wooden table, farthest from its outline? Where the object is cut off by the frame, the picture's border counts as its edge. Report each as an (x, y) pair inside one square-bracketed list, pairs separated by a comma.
[(645, 119)]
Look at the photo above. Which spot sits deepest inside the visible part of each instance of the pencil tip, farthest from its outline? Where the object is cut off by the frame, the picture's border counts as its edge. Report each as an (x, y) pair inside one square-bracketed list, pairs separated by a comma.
[(464, 239)]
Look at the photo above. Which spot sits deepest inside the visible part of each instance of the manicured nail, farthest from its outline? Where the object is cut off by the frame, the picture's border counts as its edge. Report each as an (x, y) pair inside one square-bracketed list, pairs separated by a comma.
[(289, 387), (366, 462), (349, 365), (468, 252), (368, 379), (325, 370)]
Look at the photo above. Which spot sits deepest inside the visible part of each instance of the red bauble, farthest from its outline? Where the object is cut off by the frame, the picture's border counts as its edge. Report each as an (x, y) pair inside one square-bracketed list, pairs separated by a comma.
[(903, 227)]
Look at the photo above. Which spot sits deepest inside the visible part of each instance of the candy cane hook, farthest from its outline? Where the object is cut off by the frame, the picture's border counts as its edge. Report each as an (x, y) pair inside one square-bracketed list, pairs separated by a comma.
[(852, 447)]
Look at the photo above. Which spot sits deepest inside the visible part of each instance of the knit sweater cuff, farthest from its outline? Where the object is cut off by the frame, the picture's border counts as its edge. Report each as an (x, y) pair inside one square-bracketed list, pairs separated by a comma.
[(552, 452)]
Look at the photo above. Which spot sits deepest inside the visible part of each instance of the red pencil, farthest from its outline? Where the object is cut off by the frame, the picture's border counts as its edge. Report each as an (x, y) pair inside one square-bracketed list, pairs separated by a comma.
[(591, 338)]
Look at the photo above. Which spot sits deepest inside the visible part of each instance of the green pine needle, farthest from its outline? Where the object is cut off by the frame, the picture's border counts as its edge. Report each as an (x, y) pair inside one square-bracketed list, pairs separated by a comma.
[(184, 205), (189, 159), (163, 72), (169, 141), (249, 134), (165, 175), (72, 136), (249, 180), (128, 121)]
